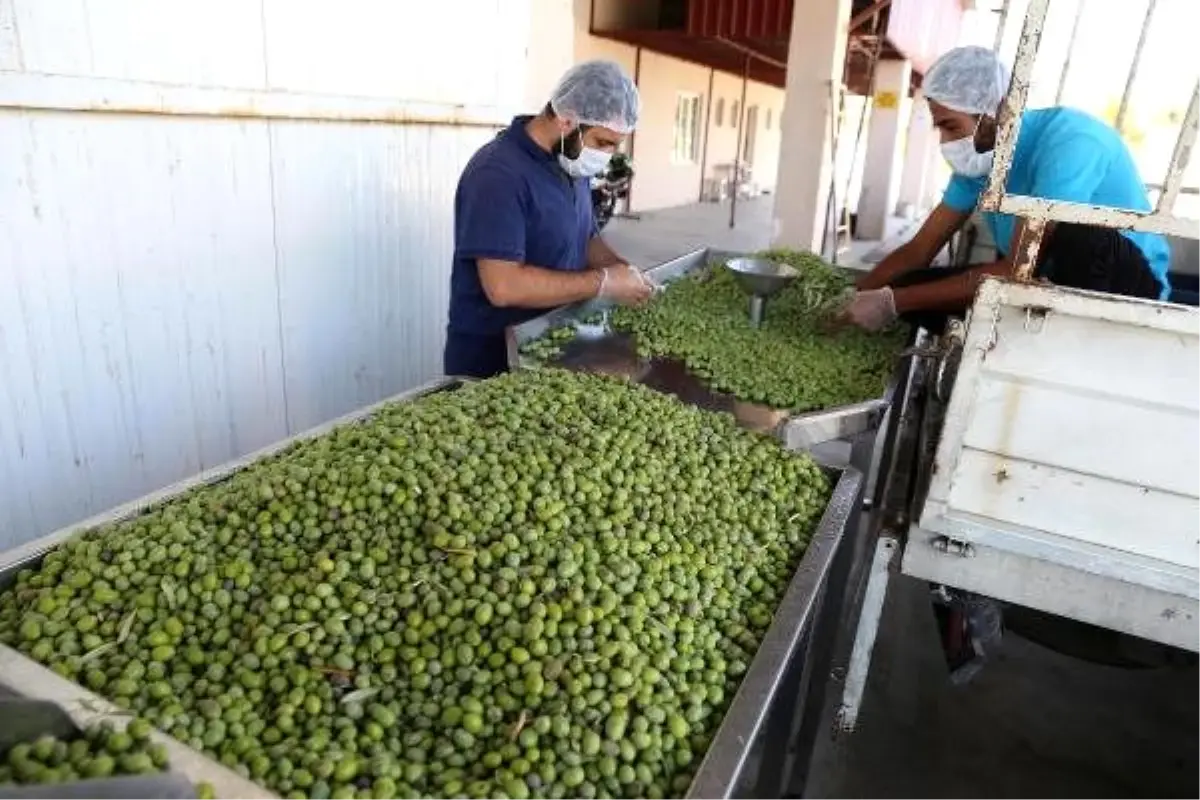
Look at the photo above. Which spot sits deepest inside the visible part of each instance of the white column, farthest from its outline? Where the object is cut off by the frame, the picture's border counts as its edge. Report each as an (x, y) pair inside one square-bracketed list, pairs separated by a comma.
[(816, 52), (885, 154), (918, 166)]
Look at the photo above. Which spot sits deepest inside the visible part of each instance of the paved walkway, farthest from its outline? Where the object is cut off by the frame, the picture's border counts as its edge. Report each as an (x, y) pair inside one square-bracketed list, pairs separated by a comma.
[(653, 237), (657, 236)]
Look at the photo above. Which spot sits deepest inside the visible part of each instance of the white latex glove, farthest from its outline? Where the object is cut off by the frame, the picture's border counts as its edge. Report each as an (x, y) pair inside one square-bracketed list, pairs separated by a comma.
[(872, 310), (655, 287), (624, 284)]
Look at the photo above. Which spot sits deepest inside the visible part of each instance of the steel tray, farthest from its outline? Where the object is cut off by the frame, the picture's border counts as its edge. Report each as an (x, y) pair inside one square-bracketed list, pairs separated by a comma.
[(748, 752), (744, 757), (599, 349), (25, 720)]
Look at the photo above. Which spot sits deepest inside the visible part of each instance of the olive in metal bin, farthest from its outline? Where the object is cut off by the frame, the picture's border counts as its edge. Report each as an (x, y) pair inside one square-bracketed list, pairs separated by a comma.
[(760, 278)]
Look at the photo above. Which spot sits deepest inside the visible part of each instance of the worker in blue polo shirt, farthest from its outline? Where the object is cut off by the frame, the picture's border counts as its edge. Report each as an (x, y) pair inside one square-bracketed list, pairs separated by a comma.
[(525, 238), (1061, 154)]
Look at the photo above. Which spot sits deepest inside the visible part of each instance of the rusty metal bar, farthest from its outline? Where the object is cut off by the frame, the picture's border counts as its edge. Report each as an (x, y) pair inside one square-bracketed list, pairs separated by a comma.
[(695, 16), (868, 12), (1062, 79), (637, 81), (1014, 104), (737, 157), (1119, 124), (751, 52), (1039, 212), (1039, 208), (708, 104), (831, 213), (1028, 247), (1181, 156), (1158, 187), (1000, 23)]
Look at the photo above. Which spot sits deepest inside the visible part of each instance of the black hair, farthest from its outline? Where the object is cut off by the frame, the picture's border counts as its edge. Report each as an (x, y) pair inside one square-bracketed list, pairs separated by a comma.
[(570, 145)]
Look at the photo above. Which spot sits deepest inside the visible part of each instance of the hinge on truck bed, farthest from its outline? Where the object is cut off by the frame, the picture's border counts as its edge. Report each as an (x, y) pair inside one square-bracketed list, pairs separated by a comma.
[(953, 547), (1035, 318)]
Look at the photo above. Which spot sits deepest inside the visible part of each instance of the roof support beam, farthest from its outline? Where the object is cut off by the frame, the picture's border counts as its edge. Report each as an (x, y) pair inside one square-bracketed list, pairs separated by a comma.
[(858, 19)]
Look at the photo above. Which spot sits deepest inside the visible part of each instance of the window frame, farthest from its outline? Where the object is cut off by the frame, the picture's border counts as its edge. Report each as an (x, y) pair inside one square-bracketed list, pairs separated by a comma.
[(680, 137)]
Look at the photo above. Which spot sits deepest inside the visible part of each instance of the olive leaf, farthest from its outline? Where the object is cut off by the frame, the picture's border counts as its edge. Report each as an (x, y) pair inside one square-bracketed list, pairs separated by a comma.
[(96, 652), (168, 590), (126, 627), (359, 695)]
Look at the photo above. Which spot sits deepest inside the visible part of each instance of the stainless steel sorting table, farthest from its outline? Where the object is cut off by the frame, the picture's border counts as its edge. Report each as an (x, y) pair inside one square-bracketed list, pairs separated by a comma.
[(599, 349), (747, 753)]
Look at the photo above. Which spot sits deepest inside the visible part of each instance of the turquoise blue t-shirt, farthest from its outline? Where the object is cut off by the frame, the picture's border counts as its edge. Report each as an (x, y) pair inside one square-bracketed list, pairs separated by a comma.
[(1065, 154)]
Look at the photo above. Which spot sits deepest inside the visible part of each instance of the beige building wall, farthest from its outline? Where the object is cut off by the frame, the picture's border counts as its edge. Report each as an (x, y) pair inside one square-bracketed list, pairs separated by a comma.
[(764, 104), (661, 180)]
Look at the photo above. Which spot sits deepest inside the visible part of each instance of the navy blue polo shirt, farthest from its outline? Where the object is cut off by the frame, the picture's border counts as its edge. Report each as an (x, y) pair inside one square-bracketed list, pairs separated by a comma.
[(514, 203)]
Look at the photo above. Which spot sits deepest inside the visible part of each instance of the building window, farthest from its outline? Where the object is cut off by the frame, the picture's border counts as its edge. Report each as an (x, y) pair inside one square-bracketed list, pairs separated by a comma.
[(687, 129), (768, 119), (735, 118), (719, 112)]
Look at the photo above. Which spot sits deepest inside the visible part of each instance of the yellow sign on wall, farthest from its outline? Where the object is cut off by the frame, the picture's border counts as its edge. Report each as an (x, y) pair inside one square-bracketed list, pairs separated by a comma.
[(886, 100)]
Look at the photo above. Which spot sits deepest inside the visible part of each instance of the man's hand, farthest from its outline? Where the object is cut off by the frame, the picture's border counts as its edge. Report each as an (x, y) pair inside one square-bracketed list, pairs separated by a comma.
[(872, 310), (625, 284)]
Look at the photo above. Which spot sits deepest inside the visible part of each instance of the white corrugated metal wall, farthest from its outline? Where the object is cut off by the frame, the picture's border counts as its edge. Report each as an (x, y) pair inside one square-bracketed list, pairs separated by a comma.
[(223, 222)]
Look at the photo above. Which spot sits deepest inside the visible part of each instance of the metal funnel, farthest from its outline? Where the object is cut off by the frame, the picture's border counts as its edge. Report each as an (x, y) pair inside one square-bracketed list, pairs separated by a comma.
[(760, 278)]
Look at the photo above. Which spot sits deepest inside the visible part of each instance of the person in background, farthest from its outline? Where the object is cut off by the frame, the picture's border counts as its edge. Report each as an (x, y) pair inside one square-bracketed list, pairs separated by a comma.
[(525, 238), (1061, 154)]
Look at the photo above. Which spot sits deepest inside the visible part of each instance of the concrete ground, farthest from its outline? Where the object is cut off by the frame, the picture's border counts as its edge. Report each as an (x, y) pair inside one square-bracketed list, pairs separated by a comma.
[(1033, 723), (652, 237)]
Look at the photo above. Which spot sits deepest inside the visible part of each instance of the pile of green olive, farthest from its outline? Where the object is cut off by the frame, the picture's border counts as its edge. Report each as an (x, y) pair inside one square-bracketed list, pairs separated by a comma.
[(799, 360), (101, 752), (548, 584)]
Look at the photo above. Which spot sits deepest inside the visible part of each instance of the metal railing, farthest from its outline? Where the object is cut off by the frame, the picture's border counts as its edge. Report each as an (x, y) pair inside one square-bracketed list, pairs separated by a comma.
[(1038, 211)]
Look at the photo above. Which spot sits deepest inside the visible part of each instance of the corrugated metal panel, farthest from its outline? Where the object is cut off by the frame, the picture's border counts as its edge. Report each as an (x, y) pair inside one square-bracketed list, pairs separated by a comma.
[(740, 19), (169, 311), (138, 333), (924, 29), (365, 239), (178, 291), (10, 51), (215, 43)]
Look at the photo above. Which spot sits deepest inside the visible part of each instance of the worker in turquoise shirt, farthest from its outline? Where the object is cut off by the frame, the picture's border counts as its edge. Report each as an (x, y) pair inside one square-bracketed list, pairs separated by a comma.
[(1061, 154)]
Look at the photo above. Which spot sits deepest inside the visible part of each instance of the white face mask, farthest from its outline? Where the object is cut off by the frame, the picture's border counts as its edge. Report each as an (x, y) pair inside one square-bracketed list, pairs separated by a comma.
[(962, 158), (590, 162)]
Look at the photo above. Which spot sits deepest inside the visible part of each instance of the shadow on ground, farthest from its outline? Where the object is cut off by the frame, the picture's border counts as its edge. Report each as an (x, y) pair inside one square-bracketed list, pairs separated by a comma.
[(1033, 723)]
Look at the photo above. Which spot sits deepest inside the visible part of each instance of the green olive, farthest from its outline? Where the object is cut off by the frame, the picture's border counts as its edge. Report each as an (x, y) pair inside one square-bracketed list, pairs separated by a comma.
[(545, 584), (93, 755), (795, 361)]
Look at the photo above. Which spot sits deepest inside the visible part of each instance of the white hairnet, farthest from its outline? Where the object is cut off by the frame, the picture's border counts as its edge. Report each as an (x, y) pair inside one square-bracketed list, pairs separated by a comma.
[(597, 93), (967, 79)]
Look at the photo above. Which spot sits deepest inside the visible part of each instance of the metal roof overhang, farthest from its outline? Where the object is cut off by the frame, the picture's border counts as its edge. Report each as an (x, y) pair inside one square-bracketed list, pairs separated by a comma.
[(710, 52), (751, 35)]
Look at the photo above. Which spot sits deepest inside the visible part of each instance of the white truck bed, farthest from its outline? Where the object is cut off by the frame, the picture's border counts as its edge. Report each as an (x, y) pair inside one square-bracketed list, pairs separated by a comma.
[(1067, 477)]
